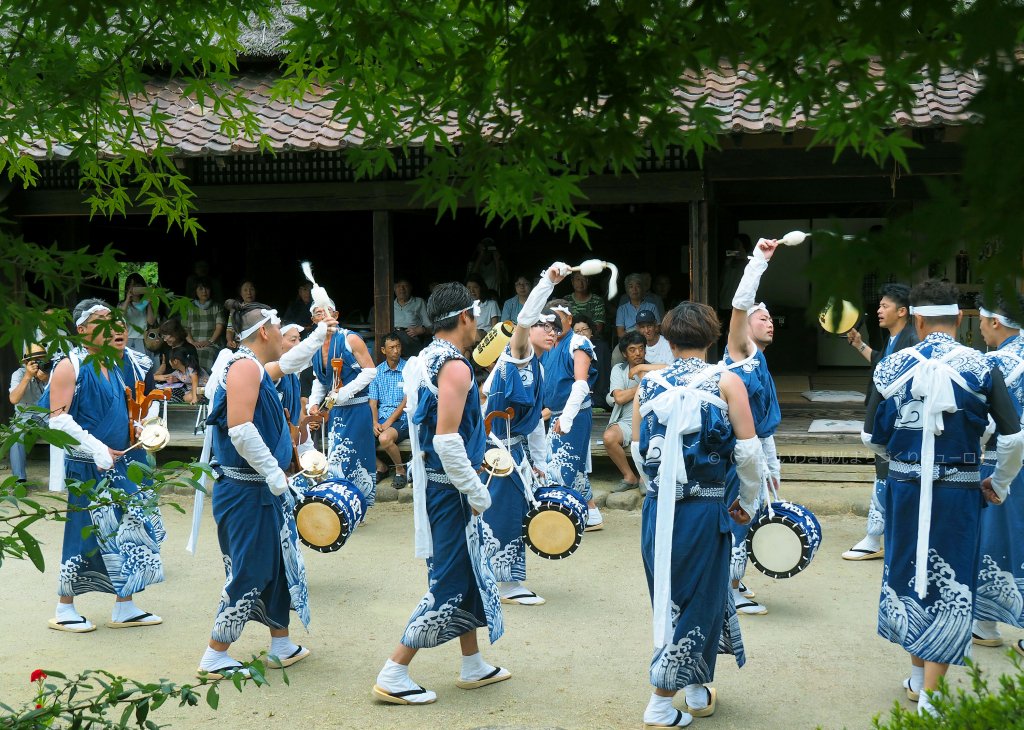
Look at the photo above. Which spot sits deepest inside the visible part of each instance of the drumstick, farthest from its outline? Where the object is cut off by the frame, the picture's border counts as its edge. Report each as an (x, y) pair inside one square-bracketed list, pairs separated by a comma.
[(336, 364)]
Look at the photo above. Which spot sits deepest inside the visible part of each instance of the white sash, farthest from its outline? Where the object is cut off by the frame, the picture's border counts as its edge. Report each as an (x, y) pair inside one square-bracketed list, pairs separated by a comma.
[(415, 375), (678, 408), (933, 384)]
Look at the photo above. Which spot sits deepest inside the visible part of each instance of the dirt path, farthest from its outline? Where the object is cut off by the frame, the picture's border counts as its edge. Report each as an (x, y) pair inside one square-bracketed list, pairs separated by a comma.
[(578, 662)]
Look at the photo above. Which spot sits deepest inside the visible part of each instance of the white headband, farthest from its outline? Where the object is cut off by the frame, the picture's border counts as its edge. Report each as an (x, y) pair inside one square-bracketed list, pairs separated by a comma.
[(269, 315), (89, 312), (1002, 319), (759, 307), (563, 309), (936, 310), (289, 327), (475, 306)]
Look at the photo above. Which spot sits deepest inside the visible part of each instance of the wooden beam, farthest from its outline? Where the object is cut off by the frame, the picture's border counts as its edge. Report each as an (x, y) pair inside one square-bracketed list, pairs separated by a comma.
[(655, 187), (796, 163), (383, 275), (803, 192)]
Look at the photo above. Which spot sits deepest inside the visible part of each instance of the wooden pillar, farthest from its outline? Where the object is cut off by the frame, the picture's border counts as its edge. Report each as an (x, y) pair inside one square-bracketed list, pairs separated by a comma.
[(700, 285), (383, 279)]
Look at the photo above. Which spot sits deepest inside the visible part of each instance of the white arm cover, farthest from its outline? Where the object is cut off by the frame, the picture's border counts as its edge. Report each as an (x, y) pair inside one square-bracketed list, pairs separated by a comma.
[(580, 391), (86, 441), (989, 430), (771, 457), (348, 392), (746, 292), (299, 357), (534, 304), (1009, 455), (316, 394), (865, 438), (750, 467), (452, 452), (538, 443), (247, 442)]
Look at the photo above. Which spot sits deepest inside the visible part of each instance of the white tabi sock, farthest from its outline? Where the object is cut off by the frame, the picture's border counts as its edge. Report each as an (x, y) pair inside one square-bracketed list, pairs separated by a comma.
[(474, 667), (214, 659), (282, 647), (661, 712), (594, 516), (924, 704), (125, 610), (67, 612), (696, 696), (987, 630), (394, 677), (916, 678)]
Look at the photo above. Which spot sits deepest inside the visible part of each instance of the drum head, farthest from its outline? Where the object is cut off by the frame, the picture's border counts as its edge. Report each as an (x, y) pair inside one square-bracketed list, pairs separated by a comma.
[(499, 462), (552, 534), (778, 547), (320, 526)]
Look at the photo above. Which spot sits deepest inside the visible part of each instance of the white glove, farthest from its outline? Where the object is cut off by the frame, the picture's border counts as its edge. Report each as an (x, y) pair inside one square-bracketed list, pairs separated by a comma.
[(300, 357), (771, 458), (865, 438), (746, 293), (452, 453), (86, 441), (1009, 455), (248, 443), (347, 392), (316, 394), (579, 393), (534, 304), (538, 444), (750, 468)]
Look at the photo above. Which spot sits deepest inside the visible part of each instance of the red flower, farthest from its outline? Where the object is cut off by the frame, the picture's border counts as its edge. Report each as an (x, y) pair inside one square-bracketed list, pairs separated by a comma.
[(37, 675), (39, 706)]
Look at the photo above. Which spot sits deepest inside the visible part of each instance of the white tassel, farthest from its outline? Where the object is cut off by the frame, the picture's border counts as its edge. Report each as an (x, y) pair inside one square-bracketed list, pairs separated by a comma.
[(613, 287), (319, 294)]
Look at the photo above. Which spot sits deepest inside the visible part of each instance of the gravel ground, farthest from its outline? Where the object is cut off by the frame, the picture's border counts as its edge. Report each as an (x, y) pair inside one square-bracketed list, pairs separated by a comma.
[(578, 662)]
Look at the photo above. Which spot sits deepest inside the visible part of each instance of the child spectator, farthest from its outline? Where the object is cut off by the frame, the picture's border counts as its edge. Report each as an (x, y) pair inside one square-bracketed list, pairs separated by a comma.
[(185, 378)]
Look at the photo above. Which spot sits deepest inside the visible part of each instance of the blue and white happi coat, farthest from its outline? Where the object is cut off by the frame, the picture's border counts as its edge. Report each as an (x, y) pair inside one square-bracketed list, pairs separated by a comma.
[(1000, 591), (519, 388), (569, 462), (289, 390), (703, 616), (764, 407), (462, 594), (265, 573), (937, 627), (351, 445), (107, 548)]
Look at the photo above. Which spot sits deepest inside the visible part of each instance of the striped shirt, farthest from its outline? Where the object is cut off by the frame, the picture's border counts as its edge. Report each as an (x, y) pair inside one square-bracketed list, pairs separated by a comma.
[(386, 389)]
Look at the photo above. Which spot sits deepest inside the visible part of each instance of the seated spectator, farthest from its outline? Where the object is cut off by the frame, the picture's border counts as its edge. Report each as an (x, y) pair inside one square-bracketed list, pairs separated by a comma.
[(185, 378), (658, 350), (173, 335), (201, 270), (387, 403), (663, 291), (27, 385), (298, 310), (647, 294), (247, 295), (625, 317), (514, 305), (488, 267), (619, 433), (412, 325), (584, 325), (489, 312), (584, 302), (138, 312), (204, 324)]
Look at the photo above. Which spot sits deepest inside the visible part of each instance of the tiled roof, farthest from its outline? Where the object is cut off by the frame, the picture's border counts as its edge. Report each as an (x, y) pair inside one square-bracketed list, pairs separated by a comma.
[(307, 126)]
